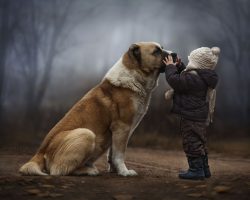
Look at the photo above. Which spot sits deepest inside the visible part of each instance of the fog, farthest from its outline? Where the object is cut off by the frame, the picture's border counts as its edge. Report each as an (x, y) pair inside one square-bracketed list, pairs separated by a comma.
[(53, 51)]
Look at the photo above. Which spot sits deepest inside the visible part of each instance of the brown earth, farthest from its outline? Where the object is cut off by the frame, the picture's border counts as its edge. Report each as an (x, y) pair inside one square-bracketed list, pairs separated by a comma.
[(157, 179)]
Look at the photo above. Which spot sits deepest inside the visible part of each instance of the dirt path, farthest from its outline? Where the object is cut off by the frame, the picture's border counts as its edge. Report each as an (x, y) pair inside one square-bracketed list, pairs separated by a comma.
[(157, 179)]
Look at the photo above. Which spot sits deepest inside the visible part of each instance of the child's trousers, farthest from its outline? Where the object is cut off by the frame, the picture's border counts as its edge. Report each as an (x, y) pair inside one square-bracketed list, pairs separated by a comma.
[(193, 137)]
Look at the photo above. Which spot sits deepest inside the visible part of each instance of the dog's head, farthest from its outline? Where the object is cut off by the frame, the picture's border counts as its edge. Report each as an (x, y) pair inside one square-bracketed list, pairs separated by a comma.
[(146, 57)]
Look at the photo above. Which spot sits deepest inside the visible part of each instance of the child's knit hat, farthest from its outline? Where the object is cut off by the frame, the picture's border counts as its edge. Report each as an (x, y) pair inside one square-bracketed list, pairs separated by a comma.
[(204, 58)]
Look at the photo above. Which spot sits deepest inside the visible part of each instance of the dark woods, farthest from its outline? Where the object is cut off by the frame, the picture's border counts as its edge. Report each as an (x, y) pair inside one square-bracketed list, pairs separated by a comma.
[(53, 51)]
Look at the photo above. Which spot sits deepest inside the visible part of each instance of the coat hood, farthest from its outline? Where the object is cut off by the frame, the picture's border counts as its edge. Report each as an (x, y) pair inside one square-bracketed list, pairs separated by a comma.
[(208, 76)]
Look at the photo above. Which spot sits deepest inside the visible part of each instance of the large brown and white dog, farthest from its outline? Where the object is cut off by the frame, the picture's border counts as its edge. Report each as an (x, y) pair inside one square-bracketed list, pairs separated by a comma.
[(103, 119)]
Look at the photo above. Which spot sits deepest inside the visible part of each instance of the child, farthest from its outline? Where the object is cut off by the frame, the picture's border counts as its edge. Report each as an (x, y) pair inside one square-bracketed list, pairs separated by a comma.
[(194, 99)]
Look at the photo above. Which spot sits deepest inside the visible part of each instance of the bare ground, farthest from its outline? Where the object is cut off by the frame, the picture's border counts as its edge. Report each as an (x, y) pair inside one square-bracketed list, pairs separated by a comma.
[(157, 179)]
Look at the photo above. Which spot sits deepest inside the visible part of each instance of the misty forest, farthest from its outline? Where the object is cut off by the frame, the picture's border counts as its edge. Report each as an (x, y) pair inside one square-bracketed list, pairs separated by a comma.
[(53, 51)]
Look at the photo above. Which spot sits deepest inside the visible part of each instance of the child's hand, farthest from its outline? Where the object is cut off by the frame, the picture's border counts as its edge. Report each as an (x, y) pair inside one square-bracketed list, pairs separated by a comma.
[(178, 62), (169, 60)]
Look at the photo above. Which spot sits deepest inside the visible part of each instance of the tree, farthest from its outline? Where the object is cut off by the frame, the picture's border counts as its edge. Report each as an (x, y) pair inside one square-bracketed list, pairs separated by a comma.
[(43, 30), (8, 21), (36, 43)]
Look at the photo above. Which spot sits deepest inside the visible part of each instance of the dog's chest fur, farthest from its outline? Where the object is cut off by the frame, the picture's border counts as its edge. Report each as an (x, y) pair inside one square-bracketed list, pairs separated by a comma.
[(141, 107), (121, 76)]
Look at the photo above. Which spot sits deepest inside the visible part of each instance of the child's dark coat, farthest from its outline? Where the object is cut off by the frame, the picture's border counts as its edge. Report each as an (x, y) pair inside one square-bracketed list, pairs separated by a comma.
[(190, 91)]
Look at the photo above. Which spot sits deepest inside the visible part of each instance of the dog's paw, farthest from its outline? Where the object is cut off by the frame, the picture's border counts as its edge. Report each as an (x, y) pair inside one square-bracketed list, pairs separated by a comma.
[(86, 171), (93, 172), (130, 172)]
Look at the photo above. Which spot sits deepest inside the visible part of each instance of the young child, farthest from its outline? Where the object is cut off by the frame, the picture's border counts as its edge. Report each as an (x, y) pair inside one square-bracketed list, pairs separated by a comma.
[(194, 99)]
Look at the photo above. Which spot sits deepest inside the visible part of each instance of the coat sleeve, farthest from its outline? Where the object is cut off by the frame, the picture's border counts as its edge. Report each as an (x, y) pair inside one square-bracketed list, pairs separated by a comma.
[(181, 81), (181, 67)]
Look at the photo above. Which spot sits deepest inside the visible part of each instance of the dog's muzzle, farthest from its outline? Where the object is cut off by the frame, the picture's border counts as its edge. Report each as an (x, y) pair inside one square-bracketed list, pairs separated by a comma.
[(163, 65)]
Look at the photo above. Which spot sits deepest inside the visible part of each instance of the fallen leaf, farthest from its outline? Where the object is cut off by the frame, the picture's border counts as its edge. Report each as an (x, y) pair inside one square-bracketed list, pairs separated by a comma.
[(201, 186), (222, 189), (48, 186), (195, 195), (70, 184), (122, 197), (33, 191), (44, 194), (55, 195), (48, 177)]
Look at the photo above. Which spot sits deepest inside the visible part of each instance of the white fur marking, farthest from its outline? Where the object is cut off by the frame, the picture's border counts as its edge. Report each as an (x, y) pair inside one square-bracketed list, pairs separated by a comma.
[(120, 76)]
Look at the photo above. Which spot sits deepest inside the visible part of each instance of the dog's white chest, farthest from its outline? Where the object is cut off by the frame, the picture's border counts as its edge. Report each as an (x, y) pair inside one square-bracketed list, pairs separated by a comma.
[(141, 102), (141, 106)]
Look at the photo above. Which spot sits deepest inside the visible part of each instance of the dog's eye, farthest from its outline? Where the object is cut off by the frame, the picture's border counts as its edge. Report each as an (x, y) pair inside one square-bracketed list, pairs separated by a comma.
[(157, 51)]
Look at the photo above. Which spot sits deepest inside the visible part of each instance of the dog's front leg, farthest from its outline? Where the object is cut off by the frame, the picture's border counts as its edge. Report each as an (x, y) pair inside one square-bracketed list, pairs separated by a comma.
[(120, 136)]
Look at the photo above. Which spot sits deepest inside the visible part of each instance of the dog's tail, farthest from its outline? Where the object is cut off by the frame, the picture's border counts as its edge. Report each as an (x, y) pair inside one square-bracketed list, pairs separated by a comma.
[(34, 166)]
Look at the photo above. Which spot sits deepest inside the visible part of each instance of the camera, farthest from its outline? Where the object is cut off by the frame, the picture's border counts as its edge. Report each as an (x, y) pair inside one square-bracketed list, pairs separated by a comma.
[(166, 54), (174, 56)]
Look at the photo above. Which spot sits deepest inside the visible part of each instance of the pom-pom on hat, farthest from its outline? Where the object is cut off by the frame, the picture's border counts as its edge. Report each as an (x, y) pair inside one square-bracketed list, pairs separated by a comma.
[(204, 58)]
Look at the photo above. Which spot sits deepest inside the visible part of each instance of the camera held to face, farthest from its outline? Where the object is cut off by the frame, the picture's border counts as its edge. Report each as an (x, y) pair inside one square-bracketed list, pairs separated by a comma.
[(166, 54), (174, 56)]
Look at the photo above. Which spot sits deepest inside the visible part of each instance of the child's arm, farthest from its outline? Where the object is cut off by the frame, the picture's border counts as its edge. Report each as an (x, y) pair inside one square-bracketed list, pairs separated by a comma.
[(181, 82), (180, 65)]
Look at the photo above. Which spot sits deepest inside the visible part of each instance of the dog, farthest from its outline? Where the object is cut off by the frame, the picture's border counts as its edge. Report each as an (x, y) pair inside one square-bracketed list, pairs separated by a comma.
[(104, 119)]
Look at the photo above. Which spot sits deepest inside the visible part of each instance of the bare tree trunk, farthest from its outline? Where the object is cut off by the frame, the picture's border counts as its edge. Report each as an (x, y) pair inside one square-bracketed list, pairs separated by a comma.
[(36, 90), (4, 40), (39, 41)]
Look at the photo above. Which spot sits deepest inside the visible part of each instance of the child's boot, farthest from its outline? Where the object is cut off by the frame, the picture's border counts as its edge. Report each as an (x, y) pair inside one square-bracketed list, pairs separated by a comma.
[(195, 171), (206, 166)]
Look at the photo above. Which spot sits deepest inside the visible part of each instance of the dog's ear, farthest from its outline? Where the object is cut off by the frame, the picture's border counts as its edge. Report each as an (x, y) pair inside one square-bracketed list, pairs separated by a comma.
[(135, 52)]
